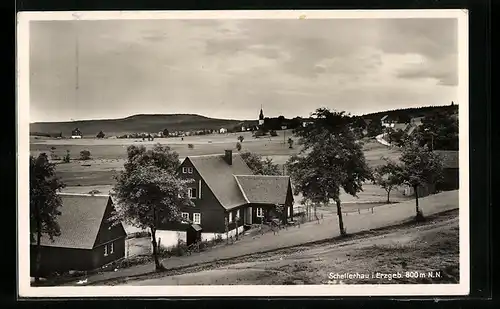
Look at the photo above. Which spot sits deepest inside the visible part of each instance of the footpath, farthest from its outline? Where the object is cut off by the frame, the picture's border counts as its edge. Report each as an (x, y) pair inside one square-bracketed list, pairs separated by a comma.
[(381, 140), (382, 216)]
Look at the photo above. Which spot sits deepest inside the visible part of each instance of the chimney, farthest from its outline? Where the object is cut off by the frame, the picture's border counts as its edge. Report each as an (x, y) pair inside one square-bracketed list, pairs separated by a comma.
[(228, 157)]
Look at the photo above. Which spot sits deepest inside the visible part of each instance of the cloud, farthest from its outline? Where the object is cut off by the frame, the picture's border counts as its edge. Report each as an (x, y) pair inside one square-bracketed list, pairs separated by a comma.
[(228, 68)]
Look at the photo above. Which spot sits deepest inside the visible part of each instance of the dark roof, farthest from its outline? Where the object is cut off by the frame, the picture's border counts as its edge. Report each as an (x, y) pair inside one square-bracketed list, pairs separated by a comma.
[(450, 158), (261, 189), (80, 220), (218, 176)]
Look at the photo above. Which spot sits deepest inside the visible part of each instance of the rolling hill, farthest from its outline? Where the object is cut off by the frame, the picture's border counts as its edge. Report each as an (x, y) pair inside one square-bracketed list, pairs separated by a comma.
[(137, 124)]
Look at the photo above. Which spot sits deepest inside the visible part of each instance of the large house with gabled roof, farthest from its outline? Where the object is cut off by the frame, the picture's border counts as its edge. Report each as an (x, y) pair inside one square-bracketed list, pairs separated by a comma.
[(88, 239), (225, 188)]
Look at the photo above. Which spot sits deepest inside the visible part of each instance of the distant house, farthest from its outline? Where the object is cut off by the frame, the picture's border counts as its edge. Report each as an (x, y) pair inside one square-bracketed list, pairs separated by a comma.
[(76, 133), (224, 188), (87, 241), (387, 122), (451, 165), (284, 127), (223, 131), (243, 129), (306, 123)]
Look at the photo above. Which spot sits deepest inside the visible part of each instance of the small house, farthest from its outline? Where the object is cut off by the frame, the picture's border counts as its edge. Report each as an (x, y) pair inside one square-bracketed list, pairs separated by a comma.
[(76, 133), (223, 131), (87, 241)]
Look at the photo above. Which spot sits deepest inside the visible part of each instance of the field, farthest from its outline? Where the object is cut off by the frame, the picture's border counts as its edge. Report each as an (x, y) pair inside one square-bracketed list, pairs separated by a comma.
[(108, 157)]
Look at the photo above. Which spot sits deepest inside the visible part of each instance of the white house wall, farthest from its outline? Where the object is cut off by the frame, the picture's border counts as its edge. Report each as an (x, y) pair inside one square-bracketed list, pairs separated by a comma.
[(168, 239)]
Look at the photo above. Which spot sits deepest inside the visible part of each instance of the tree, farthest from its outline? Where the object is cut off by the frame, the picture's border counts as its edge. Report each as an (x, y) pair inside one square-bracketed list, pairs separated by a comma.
[(44, 203), (387, 176), (149, 192), (238, 146), (260, 166), (66, 157), (290, 143), (397, 137), (419, 167), (374, 128), (439, 131), (84, 155), (100, 134), (281, 212), (329, 161), (241, 138), (165, 132)]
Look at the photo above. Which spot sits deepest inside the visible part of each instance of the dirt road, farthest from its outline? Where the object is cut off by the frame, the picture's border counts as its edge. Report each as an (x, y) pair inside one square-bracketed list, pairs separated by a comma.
[(425, 253)]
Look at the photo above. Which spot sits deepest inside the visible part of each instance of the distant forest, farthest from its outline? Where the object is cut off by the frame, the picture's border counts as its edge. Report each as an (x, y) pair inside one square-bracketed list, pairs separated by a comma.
[(413, 112)]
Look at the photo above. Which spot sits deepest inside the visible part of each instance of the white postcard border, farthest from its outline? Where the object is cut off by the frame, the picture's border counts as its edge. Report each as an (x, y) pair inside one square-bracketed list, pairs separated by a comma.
[(22, 74)]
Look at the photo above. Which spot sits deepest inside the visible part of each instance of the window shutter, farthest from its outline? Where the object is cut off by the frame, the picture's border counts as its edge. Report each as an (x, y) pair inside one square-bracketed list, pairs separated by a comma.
[(199, 188)]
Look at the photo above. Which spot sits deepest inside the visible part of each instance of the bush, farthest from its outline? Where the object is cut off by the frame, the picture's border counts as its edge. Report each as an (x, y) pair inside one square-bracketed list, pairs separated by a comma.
[(179, 250), (190, 146), (66, 157), (238, 146), (84, 155)]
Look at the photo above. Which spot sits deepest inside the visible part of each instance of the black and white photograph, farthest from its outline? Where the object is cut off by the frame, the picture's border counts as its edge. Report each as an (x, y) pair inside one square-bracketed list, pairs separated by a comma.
[(243, 153)]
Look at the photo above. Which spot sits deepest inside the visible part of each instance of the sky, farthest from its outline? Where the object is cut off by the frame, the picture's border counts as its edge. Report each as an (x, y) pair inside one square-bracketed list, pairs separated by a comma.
[(228, 68)]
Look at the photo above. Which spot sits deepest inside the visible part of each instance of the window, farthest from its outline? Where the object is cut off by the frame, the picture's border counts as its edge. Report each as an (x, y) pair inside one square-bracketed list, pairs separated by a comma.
[(111, 248), (105, 250), (184, 170), (185, 217), (197, 218), (190, 170), (230, 217), (260, 213), (288, 211), (238, 213), (192, 192)]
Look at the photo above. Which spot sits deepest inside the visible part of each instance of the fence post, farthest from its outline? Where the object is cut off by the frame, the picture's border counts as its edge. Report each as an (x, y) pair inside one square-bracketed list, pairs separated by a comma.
[(372, 209), (359, 211)]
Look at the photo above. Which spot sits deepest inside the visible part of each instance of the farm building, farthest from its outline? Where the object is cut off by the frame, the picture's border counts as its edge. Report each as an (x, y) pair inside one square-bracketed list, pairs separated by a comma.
[(451, 177), (225, 188), (223, 131), (76, 133), (87, 241)]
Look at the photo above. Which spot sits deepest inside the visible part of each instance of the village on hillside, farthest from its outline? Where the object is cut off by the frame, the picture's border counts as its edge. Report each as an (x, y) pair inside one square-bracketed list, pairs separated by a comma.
[(231, 152)]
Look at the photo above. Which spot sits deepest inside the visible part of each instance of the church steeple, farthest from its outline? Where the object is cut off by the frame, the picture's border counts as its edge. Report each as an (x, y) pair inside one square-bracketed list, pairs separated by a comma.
[(261, 117)]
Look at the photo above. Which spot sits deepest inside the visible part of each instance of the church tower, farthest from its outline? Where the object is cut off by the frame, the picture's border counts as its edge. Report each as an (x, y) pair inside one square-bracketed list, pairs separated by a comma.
[(261, 117)]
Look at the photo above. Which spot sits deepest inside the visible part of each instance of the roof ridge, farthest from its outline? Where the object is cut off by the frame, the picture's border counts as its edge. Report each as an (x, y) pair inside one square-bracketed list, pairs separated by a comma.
[(241, 189), (83, 194), (211, 155), (284, 176)]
